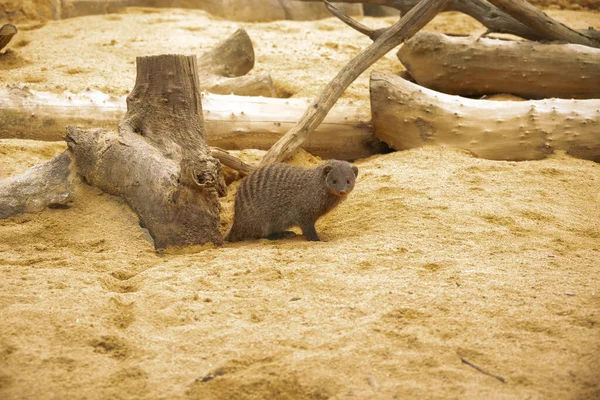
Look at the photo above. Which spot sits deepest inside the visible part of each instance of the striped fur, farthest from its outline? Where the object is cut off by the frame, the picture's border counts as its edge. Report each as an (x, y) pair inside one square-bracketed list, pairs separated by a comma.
[(277, 197)]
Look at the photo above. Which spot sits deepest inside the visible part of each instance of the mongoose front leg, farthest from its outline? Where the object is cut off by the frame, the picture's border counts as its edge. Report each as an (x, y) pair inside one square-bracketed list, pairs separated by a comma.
[(310, 232)]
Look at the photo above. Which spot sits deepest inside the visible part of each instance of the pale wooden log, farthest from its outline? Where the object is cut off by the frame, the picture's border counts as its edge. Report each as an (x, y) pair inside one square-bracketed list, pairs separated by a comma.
[(231, 122), (158, 162), (406, 116), (316, 112), (549, 28), (251, 85), (6, 34), (472, 66), (49, 184)]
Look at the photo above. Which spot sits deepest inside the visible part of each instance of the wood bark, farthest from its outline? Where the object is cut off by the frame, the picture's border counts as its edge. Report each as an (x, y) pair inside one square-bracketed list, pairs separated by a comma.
[(7, 31), (49, 184), (494, 19), (158, 161), (472, 66), (231, 122), (407, 26), (407, 116)]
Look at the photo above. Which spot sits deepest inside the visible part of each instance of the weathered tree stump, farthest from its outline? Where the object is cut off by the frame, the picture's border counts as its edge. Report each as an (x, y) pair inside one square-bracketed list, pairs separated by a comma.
[(159, 161), (6, 34), (406, 116), (472, 66)]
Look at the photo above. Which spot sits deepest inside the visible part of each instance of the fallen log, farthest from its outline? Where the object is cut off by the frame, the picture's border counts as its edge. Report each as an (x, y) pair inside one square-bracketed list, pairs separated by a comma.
[(470, 66), (231, 122), (406, 116), (158, 161), (7, 31), (49, 184)]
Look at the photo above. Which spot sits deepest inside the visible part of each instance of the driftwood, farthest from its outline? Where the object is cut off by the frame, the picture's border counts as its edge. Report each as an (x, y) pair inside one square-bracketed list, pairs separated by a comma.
[(472, 66), (407, 116), (6, 34), (494, 19), (158, 161), (223, 68), (407, 26), (46, 184)]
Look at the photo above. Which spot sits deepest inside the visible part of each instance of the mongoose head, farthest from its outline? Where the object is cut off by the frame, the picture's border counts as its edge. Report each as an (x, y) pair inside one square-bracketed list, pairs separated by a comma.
[(340, 177)]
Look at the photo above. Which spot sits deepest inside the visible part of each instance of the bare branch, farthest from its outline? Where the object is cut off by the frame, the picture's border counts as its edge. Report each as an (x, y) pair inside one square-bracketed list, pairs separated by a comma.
[(373, 34), (547, 27), (232, 161), (408, 25)]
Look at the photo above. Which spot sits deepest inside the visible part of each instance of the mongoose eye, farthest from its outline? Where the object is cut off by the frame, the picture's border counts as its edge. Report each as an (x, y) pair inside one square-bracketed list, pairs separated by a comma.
[(348, 181), (335, 181)]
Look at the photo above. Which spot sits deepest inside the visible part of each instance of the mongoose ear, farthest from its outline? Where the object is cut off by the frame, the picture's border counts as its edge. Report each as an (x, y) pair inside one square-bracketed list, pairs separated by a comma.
[(327, 169), (355, 170)]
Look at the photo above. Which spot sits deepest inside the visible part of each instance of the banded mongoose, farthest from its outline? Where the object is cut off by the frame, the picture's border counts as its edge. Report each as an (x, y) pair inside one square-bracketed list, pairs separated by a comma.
[(276, 197)]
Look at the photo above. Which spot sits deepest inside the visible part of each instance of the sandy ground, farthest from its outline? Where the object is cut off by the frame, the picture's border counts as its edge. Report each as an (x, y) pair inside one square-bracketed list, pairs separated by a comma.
[(435, 256)]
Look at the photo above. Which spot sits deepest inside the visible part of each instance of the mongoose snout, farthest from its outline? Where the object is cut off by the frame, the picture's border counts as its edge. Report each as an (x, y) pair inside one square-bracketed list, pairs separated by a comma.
[(279, 196)]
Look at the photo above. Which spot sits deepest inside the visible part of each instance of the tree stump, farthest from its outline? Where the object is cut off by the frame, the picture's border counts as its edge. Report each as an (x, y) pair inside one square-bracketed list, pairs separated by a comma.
[(159, 161)]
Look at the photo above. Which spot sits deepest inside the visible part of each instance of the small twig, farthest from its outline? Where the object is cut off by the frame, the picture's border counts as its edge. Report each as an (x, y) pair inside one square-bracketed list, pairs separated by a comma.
[(470, 364), (232, 161), (373, 34)]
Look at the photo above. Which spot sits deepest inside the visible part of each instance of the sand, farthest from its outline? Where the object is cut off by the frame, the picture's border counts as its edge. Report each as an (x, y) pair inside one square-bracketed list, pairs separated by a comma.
[(436, 255)]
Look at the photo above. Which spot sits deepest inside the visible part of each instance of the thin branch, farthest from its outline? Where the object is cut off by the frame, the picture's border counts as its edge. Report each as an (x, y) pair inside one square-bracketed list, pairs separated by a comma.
[(470, 364), (232, 161), (549, 28), (316, 112), (373, 34)]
